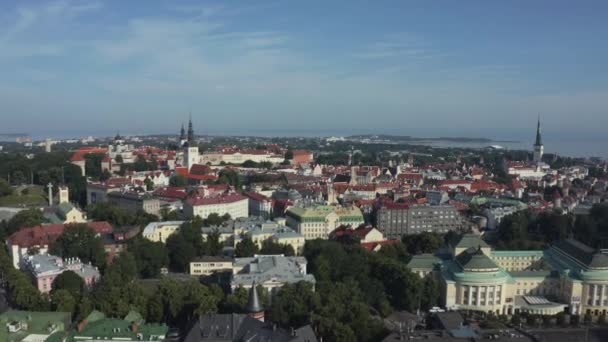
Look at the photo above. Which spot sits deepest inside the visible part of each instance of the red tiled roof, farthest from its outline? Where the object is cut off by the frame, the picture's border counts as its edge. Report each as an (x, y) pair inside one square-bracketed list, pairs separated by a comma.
[(171, 192), (47, 234), (229, 198), (256, 196)]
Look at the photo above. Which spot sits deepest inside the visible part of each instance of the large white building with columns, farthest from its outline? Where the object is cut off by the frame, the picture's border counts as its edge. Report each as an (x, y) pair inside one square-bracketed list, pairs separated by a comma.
[(567, 277)]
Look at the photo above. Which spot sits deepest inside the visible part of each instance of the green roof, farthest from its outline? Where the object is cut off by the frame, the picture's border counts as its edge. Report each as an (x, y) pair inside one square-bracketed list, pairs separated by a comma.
[(471, 240), (134, 316), (95, 316), (475, 260), (514, 254), (37, 323), (423, 261), (64, 208), (114, 328)]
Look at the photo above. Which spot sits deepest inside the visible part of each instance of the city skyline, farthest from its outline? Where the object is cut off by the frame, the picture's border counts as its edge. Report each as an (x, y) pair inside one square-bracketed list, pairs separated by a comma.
[(467, 69)]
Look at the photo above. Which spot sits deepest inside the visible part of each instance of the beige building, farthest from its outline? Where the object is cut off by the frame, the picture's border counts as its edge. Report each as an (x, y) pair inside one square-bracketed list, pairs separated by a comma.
[(319, 221), (208, 265), (568, 276), (160, 231)]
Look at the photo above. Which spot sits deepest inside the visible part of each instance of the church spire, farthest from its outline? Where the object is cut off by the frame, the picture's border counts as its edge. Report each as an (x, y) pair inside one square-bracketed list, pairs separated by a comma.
[(539, 140), (190, 130), (254, 308), (182, 135)]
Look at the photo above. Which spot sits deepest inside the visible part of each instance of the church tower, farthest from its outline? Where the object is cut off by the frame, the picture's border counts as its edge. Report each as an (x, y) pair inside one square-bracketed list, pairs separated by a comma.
[(538, 145), (254, 307), (182, 136), (191, 156)]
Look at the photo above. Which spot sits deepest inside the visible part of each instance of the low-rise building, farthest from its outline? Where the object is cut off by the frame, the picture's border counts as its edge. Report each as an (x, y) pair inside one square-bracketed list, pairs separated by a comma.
[(17, 326), (39, 238), (44, 268), (233, 204), (97, 327), (270, 271), (160, 231), (134, 202), (64, 213), (259, 231), (318, 221), (208, 265), (259, 205)]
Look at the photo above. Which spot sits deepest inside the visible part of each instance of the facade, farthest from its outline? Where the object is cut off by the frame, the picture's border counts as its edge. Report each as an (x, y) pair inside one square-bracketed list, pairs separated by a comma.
[(44, 268), (319, 221), (64, 213), (259, 230), (397, 219), (568, 276), (134, 202), (208, 265), (259, 205), (270, 271), (160, 231), (232, 204)]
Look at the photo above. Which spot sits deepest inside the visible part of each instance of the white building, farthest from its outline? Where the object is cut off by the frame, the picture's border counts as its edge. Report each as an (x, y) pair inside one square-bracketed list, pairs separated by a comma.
[(233, 204)]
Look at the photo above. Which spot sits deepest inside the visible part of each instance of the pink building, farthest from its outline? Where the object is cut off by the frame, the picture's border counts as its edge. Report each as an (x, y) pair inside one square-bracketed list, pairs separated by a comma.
[(44, 268)]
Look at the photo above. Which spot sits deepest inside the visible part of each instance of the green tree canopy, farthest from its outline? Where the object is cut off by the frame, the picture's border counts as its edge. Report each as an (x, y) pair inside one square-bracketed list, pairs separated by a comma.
[(245, 248), (69, 281), (78, 240)]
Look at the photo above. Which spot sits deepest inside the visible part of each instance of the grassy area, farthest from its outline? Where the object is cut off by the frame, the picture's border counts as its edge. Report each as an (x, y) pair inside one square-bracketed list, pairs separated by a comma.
[(30, 196)]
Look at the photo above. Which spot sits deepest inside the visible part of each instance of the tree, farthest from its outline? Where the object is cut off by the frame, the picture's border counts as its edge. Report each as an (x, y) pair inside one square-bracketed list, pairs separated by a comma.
[(93, 164), (245, 248), (79, 240), (250, 164), (293, 304), (149, 256), (23, 219), (118, 159), (168, 215), (430, 293), (63, 301), (178, 180), (5, 188), (423, 243), (181, 252), (231, 177), (149, 184), (270, 247), (69, 281), (212, 245), (289, 154)]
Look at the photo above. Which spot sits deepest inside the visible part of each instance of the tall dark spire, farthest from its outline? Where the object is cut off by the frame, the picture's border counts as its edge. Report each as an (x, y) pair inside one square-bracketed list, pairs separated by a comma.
[(253, 304), (182, 135), (190, 130), (539, 140)]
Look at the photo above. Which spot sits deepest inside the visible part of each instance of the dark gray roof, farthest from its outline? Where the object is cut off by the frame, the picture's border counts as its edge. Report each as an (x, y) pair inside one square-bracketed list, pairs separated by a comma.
[(238, 327), (586, 255), (474, 259)]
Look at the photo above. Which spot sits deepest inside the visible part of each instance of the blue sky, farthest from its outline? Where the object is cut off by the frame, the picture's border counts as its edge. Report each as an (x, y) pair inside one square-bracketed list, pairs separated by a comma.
[(423, 68)]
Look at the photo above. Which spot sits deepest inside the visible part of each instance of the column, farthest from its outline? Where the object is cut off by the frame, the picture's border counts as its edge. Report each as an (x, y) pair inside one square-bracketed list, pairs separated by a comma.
[(470, 295), (487, 294), (601, 289), (478, 294), (595, 287)]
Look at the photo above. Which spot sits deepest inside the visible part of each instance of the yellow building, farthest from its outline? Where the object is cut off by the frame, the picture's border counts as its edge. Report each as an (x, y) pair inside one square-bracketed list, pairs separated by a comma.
[(568, 276), (319, 221), (160, 231)]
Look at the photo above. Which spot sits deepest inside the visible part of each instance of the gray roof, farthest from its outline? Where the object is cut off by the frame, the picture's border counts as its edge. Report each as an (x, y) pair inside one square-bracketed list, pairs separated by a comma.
[(239, 327), (471, 240), (475, 260), (263, 268), (584, 254)]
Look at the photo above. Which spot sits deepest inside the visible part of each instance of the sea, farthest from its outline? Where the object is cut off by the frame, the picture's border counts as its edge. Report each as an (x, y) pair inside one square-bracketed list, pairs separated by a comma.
[(569, 146)]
